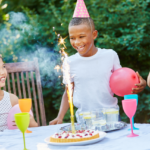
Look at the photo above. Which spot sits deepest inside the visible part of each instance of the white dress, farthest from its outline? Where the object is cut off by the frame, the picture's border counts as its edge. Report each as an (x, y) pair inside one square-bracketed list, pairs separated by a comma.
[(5, 106)]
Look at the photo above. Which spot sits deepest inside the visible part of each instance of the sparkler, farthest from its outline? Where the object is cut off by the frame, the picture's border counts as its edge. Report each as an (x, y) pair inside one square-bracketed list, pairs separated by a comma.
[(69, 90), (68, 80)]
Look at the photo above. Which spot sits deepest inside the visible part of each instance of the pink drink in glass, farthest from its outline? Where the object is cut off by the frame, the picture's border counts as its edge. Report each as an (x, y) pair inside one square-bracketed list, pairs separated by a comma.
[(129, 107)]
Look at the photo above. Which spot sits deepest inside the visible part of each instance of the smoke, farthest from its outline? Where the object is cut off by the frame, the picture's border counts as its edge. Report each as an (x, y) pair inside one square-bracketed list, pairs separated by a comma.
[(17, 19), (11, 33), (47, 61), (14, 36)]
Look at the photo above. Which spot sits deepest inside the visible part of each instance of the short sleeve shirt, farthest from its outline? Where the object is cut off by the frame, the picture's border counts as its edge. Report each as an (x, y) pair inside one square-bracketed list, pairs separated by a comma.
[(91, 77)]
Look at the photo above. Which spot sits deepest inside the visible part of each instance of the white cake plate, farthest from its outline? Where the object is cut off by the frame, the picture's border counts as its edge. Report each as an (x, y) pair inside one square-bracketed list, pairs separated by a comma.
[(102, 136)]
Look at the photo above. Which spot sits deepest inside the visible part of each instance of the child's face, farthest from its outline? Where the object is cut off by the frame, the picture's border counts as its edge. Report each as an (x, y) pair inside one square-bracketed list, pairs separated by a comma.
[(3, 73), (82, 39)]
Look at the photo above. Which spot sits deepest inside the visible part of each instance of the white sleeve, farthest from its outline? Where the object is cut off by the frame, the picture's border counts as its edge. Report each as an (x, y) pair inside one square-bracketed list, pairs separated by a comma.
[(67, 75), (116, 64)]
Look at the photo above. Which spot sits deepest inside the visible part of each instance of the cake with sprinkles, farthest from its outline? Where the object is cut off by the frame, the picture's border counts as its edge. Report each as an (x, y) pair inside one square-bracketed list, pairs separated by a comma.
[(80, 135)]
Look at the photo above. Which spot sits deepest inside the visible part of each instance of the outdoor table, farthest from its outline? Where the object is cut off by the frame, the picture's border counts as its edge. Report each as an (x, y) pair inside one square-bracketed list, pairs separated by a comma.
[(115, 140)]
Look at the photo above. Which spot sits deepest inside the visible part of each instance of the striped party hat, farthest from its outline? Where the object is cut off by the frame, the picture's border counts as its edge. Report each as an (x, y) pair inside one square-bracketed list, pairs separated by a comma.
[(81, 10)]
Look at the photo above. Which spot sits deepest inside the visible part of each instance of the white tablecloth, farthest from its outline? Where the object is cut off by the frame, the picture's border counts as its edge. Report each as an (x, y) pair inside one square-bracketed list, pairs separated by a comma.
[(115, 140)]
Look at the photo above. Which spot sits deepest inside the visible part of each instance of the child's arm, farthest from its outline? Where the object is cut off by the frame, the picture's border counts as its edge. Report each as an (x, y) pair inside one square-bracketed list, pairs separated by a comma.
[(13, 99), (32, 123), (140, 86), (63, 109)]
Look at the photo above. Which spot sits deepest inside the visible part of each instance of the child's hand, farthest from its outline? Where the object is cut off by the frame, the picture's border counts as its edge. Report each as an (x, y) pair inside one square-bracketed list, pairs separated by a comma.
[(140, 86), (56, 121), (14, 123), (32, 123)]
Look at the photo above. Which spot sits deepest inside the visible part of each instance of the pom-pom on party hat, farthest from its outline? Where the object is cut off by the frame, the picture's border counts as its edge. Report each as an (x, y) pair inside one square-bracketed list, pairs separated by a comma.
[(81, 10)]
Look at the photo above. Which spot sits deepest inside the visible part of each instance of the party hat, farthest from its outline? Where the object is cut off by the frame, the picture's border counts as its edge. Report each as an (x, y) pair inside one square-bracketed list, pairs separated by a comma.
[(81, 10)]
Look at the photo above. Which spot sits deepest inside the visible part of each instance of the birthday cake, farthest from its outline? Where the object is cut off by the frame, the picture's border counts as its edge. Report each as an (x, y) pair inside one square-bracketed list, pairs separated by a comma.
[(80, 135)]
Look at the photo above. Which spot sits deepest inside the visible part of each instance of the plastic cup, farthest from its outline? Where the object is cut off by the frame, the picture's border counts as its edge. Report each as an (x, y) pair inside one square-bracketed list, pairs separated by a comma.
[(22, 121), (128, 97)]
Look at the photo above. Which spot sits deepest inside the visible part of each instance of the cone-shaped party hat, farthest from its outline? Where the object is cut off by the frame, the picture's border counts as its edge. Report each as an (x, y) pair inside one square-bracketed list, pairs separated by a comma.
[(81, 10)]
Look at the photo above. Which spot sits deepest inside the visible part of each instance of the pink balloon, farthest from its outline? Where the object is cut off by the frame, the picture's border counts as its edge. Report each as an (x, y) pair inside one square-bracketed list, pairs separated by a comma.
[(123, 80), (10, 118)]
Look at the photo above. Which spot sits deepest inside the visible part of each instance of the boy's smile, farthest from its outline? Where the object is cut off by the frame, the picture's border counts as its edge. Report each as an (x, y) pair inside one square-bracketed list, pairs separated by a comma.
[(80, 48), (82, 39)]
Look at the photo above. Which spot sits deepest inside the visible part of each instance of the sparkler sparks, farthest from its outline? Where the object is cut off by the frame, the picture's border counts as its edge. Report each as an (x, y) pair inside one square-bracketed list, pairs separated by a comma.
[(66, 70), (62, 41), (57, 68), (67, 77)]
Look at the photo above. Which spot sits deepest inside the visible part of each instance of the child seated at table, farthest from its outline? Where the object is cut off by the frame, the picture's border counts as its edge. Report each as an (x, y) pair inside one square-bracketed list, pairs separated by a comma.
[(90, 68), (8, 100)]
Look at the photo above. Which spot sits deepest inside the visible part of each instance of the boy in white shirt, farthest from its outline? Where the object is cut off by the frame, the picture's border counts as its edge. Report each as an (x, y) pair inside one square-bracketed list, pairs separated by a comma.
[(90, 70)]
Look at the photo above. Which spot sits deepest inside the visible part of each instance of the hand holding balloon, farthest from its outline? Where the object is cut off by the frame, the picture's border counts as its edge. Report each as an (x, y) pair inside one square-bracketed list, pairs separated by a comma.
[(123, 80), (32, 123), (140, 86), (10, 120), (13, 123)]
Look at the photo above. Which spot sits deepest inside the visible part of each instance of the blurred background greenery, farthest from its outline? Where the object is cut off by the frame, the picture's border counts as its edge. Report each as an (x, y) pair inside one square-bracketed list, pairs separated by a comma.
[(27, 30)]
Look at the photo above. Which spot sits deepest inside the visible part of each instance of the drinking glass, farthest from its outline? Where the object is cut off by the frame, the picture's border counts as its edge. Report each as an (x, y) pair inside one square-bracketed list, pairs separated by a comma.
[(22, 121), (112, 116), (129, 107), (88, 119), (25, 106), (80, 119), (132, 96), (99, 121)]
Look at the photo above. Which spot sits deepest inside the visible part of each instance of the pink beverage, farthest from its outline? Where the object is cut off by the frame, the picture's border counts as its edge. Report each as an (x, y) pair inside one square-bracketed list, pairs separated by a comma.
[(129, 107)]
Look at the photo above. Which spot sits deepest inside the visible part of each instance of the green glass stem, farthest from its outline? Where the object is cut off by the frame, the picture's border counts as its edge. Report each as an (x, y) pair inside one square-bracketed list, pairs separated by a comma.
[(24, 142)]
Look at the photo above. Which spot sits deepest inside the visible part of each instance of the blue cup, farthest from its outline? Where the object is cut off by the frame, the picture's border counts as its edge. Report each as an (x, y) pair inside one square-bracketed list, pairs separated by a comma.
[(132, 96)]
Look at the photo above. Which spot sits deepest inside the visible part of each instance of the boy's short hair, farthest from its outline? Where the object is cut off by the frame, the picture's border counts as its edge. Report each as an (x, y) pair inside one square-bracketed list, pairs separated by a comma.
[(79, 21)]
